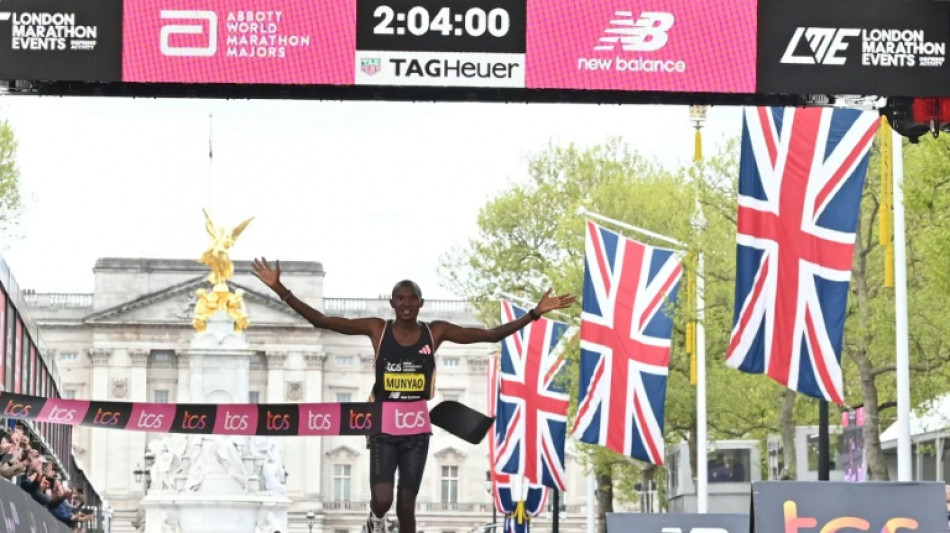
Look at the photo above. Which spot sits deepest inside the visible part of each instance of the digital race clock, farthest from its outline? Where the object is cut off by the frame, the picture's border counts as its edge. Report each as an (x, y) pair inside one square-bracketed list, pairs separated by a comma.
[(488, 26)]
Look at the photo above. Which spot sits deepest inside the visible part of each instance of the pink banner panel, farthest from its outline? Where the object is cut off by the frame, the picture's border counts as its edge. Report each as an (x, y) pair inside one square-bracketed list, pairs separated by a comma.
[(156, 417), (242, 41), (319, 419), (69, 412), (656, 45), (405, 418)]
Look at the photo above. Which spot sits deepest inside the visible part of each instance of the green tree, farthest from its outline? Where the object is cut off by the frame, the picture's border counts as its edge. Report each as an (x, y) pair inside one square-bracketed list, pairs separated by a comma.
[(869, 349), (10, 201)]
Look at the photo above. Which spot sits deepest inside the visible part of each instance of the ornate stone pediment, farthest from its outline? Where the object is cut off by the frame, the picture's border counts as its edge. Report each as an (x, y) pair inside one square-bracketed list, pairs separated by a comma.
[(450, 455), (343, 453), (175, 305)]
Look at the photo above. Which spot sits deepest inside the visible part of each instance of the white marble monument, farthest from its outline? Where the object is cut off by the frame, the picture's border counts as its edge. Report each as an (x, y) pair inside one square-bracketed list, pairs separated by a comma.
[(217, 483)]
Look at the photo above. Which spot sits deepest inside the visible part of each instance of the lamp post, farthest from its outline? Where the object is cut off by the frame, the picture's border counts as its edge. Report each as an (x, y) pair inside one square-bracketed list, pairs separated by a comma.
[(146, 472), (491, 498), (697, 115), (310, 516)]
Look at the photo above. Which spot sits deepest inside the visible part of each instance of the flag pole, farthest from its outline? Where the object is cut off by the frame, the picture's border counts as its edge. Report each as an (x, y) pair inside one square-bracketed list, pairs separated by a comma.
[(591, 500), (210, 163), (698, 116), (900, 310), (582, 211)]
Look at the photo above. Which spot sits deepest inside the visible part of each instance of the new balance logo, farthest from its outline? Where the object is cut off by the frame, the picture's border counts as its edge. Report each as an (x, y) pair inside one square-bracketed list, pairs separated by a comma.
[(426, 350), (825, 45), (647, 33)]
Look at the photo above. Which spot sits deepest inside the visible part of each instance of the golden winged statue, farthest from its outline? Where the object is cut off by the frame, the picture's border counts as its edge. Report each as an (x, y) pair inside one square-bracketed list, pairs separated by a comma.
[(216, 256), (220, 298)]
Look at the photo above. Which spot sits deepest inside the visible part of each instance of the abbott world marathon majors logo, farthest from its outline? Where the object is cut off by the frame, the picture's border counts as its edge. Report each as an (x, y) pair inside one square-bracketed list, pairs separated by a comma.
[(879, 47), (49, 31), (628, 33), (248, 34)]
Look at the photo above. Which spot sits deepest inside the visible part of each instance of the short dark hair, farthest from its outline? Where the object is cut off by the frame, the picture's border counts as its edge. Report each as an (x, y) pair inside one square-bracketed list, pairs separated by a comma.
[(407, 283)]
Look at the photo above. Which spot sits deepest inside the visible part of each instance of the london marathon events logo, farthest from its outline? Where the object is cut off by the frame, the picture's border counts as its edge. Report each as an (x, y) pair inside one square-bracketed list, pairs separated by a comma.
[(49, 31), (879, 47)]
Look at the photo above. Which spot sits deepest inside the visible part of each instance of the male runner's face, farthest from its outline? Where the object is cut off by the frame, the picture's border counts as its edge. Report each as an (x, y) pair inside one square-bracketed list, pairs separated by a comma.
[(406, 303)]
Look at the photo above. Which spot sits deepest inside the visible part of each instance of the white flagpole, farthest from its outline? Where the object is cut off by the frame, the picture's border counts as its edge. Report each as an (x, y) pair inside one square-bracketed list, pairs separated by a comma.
[(702, 488), (591, 501), (582, 211), (900, 310), (210, 163), (698, 116), (530, 303)]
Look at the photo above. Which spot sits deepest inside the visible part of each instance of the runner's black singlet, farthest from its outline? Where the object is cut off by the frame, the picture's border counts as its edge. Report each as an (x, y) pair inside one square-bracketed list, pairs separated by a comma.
[(404, 373)]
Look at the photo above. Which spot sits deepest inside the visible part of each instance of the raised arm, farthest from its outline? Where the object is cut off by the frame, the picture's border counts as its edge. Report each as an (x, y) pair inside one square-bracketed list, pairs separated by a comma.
[(371, 327), (447, 331)]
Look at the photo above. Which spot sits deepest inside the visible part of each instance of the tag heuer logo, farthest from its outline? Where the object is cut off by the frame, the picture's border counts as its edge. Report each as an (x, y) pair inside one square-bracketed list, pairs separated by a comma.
[(371, 66)]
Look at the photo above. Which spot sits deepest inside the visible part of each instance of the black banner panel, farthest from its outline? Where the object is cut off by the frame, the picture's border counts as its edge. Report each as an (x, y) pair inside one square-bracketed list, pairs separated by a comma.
[(61, 40), (877, 47)]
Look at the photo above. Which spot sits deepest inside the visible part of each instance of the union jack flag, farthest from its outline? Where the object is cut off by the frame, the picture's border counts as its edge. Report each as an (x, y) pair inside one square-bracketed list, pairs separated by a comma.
[(531, 419), (800, 181), (625, 343), (505, 493)]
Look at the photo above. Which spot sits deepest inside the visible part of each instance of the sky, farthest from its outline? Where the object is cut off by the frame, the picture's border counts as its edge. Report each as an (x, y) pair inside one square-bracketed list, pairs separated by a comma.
[(375, 191)]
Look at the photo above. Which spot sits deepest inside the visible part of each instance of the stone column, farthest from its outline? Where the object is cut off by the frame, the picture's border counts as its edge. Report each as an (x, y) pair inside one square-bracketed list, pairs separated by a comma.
[(183, 392), (99, 390), (275, 377), (314, 471), (137, 440)]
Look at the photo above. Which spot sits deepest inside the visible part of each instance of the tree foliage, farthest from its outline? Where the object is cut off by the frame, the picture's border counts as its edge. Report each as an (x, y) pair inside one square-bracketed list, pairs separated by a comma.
[(10, 201), (531, 237)]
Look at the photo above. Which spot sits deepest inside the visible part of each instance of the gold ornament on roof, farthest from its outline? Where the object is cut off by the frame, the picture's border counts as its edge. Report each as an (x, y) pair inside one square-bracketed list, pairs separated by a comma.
[(220, 298)]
